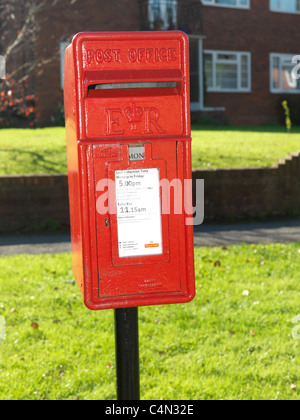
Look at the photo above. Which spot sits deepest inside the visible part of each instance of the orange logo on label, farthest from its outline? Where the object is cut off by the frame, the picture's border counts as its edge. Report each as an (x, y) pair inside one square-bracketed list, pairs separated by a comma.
[(151, 245)]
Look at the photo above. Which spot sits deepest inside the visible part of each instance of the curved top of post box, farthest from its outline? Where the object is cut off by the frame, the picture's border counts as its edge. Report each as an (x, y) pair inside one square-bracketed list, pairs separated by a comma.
[(130, 59)]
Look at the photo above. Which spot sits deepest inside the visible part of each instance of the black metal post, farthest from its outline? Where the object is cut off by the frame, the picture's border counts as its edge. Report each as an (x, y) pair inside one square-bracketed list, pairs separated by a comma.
[(127, 354)]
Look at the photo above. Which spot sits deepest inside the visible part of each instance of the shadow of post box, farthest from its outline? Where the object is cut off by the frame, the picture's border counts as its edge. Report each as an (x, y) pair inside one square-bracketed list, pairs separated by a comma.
[(129, 160)]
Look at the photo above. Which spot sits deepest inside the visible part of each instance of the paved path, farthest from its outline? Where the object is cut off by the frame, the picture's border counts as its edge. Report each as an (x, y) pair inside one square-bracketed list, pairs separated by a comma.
[(205, 235), (250, 233), (34, 244)]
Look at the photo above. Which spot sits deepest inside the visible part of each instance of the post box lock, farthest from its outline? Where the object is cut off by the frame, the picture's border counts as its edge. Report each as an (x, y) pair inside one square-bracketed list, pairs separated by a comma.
[(129, 157)]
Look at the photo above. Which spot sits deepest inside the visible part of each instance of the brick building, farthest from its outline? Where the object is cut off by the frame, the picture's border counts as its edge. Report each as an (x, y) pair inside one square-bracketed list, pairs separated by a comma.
[(248, 49), (241, 50)]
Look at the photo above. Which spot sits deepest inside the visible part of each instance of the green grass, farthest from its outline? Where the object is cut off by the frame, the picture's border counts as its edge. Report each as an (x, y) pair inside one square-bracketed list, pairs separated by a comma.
[(238, 147), (43, 151), (26, 151), (223, 345)]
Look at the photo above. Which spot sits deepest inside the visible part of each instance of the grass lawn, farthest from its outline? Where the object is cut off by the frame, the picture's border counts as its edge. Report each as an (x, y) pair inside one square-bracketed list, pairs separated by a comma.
[(226, 344), (44, 150), (40, 151), (238, 147)]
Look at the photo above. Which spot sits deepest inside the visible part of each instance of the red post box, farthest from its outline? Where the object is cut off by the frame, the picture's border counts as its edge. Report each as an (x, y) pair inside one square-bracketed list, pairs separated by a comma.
[(129, 156)]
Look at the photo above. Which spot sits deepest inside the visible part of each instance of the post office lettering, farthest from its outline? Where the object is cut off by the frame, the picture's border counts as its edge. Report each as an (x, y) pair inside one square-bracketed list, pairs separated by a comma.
[(103, 56)]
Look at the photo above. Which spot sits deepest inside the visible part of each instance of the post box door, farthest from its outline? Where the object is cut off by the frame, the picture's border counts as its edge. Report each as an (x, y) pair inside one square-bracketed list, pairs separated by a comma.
[(149, 272)]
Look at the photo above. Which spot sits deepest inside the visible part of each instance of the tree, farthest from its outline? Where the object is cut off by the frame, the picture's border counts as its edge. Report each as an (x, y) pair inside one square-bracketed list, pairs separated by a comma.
[(20, 23)]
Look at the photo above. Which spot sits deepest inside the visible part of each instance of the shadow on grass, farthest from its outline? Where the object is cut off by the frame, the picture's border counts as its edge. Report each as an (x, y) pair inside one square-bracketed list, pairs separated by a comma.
[(36, 160)]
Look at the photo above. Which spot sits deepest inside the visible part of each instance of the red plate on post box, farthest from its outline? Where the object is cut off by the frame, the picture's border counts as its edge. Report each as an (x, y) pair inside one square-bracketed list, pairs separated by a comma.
[(129, 158)]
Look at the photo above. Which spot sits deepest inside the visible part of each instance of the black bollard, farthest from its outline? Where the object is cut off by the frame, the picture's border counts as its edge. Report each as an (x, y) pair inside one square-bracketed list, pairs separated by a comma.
[(127, 354)]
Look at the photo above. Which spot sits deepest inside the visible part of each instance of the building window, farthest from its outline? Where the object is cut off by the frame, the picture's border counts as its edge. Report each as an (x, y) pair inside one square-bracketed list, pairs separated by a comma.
[(162, 14), (194, 70), (63, 47), (289, 6), (227, 71), (243, 4), (282, 80)]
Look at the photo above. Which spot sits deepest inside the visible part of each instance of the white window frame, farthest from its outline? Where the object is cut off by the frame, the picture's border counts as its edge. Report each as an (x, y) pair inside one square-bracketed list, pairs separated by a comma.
[(199, 106), (163, 12), (230, 6), (280, 90), (280, 10), (238, 54), (63, 46), (195, 106)]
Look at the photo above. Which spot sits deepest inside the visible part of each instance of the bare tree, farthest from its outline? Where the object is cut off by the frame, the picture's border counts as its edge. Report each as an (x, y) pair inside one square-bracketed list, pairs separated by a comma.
[(20, 24), (19, 29)]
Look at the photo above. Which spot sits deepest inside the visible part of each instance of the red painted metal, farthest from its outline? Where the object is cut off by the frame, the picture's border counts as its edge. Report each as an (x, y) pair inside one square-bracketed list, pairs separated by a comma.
[(104, 117)]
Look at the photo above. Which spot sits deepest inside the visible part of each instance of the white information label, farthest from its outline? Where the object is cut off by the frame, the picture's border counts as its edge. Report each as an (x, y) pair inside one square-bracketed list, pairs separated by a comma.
[(139, 212)]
